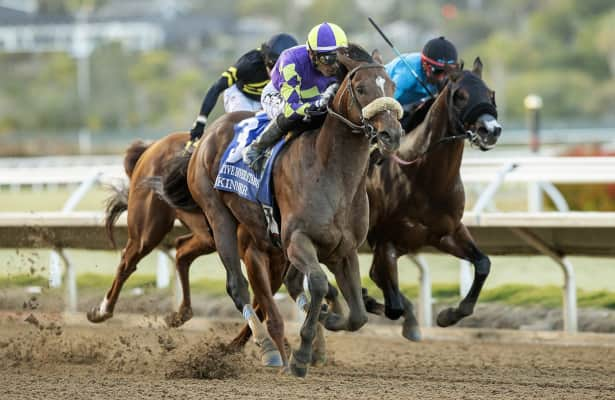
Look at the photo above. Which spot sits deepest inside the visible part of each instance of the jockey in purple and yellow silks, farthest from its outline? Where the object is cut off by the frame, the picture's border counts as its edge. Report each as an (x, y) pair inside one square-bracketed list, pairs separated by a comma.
[(302, 81)]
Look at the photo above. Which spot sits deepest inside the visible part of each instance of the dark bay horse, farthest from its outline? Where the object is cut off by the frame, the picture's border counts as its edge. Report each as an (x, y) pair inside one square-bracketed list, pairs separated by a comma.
[(149, 220), (319, 182), (420, 201)]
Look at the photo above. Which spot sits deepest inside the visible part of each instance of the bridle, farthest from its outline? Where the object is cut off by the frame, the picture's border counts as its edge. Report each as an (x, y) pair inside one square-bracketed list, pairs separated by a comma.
[(459, 127), (365, 128)]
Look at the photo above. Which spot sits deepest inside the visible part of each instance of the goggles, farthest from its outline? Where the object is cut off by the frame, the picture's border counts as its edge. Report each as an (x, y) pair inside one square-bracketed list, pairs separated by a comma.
[(437, 67), (435, 70), (326, 58)]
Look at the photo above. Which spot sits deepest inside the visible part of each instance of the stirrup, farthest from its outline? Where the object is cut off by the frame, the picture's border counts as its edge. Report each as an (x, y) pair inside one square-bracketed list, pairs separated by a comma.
[(257, 163)]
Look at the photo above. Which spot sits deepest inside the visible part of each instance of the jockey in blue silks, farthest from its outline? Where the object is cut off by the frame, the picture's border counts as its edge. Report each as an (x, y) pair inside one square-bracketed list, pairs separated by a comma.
[(302, 82), (420, 76)]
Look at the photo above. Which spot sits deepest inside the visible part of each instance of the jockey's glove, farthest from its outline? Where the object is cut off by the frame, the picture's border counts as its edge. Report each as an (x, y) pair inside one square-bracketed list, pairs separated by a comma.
[(315, 109), (197, 128), (321, 103), (330, 92)]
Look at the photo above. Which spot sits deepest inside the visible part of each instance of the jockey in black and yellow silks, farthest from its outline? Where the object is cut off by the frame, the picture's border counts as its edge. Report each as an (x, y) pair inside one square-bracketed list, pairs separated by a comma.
[(243, 82)]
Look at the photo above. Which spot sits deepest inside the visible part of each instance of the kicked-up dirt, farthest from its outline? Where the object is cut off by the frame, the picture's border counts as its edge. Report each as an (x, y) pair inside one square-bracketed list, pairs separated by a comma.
[(50, 356)]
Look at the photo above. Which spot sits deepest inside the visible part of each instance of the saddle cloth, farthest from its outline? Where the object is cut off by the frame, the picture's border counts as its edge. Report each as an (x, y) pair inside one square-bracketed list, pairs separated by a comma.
[(237, 177)]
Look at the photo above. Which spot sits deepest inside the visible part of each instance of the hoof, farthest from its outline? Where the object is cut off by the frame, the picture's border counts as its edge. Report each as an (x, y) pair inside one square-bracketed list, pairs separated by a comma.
[(95, 316), (372, 306), (447, 317), (177, 319), (298, 368), (318, 359), (411, 332), (272, 358), (393, 313)]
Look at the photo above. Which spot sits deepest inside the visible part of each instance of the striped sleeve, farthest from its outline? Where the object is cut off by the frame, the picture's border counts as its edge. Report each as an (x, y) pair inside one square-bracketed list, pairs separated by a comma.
[(290, 89), (231, 76)]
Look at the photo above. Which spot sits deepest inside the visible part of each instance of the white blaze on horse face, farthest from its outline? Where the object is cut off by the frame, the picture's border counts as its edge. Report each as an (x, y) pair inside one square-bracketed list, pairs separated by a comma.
[(380, 81)]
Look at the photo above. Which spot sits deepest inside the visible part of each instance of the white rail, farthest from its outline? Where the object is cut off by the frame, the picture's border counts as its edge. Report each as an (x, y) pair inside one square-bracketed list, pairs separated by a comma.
[(551, 234)]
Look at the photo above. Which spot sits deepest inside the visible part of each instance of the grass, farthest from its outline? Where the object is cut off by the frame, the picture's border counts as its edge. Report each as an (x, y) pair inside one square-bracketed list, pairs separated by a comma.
[(512, 294), (513, 280)]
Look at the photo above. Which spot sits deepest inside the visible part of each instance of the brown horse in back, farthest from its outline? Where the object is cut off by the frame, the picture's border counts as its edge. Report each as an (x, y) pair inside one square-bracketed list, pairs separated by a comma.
[(421, 202), (149, 220), (319, 182)]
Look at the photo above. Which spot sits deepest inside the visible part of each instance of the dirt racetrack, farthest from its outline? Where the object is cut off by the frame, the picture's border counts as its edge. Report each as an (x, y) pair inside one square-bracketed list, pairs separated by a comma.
[(50, 356)]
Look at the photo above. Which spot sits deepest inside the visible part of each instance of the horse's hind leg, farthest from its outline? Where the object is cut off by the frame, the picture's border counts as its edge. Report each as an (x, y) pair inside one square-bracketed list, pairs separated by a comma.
[(189, 247), (462, 245), (147, 226), (256, 265), (134, 251), (224, 228)]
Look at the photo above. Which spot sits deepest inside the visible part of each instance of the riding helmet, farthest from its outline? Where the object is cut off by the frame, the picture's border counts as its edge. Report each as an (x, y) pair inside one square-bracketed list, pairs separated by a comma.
[(276, 45), (439, 51)]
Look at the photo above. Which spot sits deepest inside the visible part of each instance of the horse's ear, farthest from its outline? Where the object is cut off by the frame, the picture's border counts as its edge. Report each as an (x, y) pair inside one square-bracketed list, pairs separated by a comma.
[(377, 56), (477, 68), (343, 57)]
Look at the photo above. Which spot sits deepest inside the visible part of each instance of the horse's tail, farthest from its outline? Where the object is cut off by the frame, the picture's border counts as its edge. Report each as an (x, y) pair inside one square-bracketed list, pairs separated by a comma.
[(116, 204), (133, 154), (172, 186)]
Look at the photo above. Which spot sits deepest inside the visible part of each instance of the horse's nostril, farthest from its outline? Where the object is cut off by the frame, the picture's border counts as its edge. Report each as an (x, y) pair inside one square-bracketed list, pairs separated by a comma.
[(497, 131), (385, 136)]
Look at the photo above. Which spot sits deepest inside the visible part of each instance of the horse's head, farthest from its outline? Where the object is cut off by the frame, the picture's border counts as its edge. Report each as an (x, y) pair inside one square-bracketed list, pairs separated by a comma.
[(472, 107), (364, 101)]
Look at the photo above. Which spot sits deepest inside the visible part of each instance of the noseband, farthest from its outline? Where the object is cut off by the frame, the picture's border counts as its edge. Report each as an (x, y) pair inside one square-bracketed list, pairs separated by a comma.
[(470, 113), (365, 127)]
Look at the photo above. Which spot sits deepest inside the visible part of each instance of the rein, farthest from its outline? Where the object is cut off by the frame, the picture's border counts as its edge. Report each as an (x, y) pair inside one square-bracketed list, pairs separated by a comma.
[(465, 135)]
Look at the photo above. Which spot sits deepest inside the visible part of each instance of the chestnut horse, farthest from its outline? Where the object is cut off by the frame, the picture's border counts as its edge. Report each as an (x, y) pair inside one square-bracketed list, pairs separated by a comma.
[(420, 202), (319, 183), (149, 220)]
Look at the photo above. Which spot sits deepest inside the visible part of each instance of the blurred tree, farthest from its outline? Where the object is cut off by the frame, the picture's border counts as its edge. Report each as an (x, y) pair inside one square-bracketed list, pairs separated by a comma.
[(605, 39), (562, 91)]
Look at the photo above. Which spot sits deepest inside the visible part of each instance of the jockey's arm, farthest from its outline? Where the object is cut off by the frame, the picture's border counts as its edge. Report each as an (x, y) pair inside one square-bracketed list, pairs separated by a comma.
[(208, 104), (223, 83), (294, 107)]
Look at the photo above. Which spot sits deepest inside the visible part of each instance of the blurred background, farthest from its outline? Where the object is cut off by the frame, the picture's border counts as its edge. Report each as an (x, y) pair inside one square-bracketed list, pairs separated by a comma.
[(88, 77), (115, 70)]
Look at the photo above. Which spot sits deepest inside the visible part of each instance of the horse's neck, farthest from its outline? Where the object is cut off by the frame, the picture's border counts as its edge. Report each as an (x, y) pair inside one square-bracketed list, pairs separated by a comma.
[(341, 153), (438, 163)]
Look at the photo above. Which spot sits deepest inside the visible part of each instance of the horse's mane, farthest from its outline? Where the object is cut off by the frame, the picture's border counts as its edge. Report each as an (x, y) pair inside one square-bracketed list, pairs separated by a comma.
[(357, 53)]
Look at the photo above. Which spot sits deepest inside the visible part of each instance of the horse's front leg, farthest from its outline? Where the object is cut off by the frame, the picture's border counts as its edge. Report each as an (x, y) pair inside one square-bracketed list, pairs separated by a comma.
[(384, 273), (303, 255), (461, 244), (348, 277)]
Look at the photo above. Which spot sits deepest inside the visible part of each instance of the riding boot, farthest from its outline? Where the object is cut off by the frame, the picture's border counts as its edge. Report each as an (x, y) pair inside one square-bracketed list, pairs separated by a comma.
[(253, 154)]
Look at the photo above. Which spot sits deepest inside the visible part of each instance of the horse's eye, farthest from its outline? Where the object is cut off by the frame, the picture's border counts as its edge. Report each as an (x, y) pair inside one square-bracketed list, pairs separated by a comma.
[(460, 96), (360, 90)]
